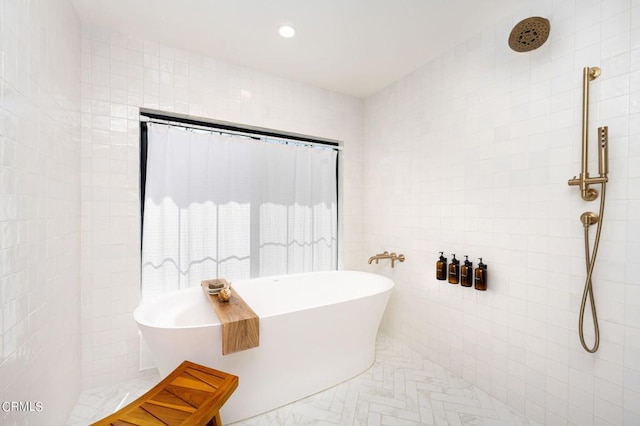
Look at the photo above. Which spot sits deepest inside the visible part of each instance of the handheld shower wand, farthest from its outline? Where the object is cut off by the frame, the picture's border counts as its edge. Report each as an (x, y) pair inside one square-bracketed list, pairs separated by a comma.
[(591, 218), (603, 151)]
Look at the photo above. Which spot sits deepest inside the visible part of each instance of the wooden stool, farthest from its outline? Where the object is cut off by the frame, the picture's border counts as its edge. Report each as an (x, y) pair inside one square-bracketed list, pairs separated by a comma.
[(191, 395)]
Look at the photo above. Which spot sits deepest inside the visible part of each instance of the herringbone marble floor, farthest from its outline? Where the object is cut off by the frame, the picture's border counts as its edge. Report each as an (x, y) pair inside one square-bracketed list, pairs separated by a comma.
[(401, 388)]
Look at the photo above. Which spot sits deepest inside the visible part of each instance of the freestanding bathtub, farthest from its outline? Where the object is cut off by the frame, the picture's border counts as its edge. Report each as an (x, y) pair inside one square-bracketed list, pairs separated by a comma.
[(316, 330)]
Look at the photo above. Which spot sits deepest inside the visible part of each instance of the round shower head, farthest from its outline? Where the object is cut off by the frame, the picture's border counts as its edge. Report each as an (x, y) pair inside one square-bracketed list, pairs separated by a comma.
[(529, 34)]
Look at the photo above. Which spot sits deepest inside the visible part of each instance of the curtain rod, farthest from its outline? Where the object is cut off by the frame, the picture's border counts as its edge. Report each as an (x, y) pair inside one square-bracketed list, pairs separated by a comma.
[(236, 130)]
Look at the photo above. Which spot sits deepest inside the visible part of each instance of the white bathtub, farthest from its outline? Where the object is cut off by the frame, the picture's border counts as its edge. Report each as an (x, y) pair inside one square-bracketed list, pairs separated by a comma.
[(316, 330)]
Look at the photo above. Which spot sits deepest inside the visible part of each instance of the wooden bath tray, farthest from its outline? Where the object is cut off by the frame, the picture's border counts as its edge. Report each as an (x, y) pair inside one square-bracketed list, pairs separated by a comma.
[(240, 325)]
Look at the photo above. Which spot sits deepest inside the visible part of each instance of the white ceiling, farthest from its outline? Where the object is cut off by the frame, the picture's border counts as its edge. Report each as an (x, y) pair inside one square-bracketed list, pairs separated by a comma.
[(356, 47)]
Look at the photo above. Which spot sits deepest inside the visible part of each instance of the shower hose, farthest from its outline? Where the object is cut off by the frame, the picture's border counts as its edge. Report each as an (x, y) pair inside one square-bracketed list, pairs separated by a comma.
[(588, 286)]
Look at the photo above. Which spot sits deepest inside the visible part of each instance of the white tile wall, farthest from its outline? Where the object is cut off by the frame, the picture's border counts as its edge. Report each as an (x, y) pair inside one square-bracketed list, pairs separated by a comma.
[(470, 155), (39, 209), (119, 75)]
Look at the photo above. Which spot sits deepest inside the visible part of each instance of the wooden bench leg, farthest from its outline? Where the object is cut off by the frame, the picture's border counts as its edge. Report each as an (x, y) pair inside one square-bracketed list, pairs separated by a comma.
[(215, 421)]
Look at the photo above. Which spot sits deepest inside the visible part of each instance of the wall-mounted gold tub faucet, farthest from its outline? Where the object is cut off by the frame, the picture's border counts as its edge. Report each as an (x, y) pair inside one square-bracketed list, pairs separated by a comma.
[(386, 255), (590, 194)]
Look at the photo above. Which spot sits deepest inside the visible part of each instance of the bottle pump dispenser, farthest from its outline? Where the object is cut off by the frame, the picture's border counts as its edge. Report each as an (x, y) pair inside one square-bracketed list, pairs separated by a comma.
[(466, 273), (454, 270), (481, 276), (441, 267)]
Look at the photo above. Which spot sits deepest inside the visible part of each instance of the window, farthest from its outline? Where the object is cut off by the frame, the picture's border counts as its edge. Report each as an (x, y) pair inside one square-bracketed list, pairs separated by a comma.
[(218, 203)]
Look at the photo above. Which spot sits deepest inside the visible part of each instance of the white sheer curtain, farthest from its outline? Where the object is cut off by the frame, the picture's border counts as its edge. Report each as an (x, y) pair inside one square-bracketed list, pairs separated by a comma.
[(233, 207)]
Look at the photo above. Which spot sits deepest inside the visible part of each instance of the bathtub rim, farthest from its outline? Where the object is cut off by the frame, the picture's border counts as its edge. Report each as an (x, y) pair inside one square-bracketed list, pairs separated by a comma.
[(139, 310)]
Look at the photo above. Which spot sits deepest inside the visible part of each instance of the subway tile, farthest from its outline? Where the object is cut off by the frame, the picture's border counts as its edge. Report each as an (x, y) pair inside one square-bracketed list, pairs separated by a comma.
[(631, 418), (616, 24), (605, 411), (615, 45), (632, 380), (614, 86), (632, 403)]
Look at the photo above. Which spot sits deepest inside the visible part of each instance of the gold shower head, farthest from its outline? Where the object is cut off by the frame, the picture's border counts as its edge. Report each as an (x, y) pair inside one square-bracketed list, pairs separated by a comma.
[(529, 34)]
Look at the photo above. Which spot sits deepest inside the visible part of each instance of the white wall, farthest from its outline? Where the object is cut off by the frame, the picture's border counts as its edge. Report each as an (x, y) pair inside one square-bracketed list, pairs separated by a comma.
[(121, 73), (471, 154), (39, 208)]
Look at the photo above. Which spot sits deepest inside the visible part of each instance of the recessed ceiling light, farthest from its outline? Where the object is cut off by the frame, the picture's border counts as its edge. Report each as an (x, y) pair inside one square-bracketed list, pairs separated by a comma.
[(287, 31)]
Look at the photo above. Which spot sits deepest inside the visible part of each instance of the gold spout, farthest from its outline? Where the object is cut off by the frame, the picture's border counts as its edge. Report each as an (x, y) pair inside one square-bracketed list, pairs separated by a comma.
[(377, 257)]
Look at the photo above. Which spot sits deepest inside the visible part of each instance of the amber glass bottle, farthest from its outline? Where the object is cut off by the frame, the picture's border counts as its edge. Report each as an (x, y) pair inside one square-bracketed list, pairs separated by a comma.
[(441, 267), (466, 273), (481, 276), (454, 271)]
